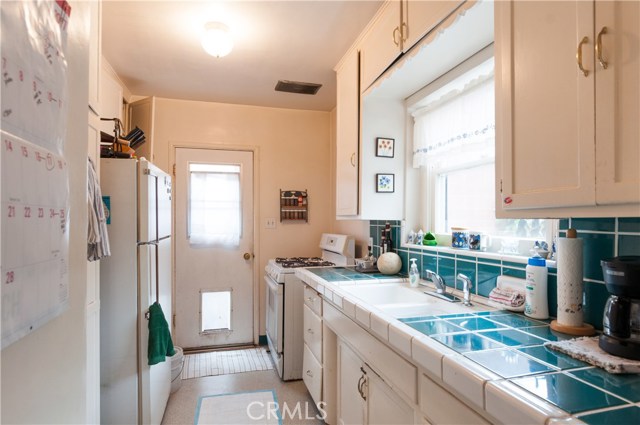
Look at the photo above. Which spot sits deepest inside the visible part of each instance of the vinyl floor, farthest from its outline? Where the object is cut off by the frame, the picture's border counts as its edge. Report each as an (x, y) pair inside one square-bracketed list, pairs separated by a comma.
[(295, 403)]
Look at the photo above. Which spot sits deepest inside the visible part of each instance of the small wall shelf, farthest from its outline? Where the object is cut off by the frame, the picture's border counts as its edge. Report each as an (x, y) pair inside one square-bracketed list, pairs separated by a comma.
[(294, 205)]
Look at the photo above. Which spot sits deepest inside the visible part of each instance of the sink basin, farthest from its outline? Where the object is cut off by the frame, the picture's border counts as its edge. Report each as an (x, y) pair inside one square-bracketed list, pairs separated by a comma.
[(399, 300)]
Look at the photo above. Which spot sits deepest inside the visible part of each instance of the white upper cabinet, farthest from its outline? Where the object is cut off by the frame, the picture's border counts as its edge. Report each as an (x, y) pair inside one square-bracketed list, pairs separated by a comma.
[(552, 151), (382, 43), (617, 34), (348, 138), (398, 26), (419, 17)]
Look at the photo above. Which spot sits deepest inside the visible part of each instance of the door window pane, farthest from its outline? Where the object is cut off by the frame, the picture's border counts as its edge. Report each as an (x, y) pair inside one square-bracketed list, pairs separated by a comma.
[(214, 204), (215, 311)]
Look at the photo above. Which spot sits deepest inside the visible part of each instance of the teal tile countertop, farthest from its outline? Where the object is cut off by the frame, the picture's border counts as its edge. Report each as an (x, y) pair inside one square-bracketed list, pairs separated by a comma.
[(349, 275), (510, 347)]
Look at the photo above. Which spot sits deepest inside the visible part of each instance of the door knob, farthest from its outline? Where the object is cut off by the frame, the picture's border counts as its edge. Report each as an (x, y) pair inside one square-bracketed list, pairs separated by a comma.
[(247, 256)]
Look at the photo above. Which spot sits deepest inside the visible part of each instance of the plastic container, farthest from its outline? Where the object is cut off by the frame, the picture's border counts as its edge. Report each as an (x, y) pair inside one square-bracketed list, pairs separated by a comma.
[(414, 274), (536, 304), (177, 363)]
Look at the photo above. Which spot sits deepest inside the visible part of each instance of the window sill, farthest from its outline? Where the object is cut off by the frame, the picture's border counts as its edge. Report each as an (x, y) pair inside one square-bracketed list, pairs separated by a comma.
[(438, 249)]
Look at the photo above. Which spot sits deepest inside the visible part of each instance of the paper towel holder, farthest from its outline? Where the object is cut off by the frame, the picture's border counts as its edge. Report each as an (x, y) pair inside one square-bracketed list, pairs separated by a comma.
[(583, 330)]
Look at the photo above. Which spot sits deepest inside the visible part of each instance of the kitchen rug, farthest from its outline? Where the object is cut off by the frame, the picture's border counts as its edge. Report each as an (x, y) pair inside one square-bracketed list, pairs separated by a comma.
[(252, 407), (588, 350), (216, 363)]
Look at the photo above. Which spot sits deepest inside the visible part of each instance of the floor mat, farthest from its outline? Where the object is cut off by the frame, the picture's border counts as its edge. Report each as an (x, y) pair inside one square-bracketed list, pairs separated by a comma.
[(225, 362), (238, 408)]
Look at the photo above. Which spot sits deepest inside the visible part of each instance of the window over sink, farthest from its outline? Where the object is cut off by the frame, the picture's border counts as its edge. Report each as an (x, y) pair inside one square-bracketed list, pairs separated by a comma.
[(452, 127)]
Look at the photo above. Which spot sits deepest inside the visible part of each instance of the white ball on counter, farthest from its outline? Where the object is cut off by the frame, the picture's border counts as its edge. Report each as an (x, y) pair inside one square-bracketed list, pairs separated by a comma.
[(389, 263)]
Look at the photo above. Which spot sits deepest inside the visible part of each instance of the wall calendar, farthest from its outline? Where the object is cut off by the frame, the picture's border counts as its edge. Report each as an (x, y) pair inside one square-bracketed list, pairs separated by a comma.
[(34, 192)]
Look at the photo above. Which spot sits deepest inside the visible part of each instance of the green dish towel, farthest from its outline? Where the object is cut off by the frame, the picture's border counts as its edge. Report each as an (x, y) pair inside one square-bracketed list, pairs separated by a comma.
[(160, 344)]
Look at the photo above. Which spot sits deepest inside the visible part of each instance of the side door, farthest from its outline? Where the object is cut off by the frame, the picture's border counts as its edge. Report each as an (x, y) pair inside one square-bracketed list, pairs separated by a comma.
[(213, 247)]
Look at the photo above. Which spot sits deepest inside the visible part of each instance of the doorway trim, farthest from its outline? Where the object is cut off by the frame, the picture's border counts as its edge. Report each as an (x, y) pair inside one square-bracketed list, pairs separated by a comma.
[(256, 228)]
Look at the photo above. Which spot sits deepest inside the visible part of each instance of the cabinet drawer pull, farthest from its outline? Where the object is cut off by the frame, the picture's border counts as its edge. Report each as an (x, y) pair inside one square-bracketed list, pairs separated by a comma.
[(579, 56), (396, 31), (603, 63), (404, 30), (353, 159)]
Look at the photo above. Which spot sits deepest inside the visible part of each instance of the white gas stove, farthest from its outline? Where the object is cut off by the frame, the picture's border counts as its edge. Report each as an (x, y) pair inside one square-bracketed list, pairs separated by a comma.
[(285, 301)]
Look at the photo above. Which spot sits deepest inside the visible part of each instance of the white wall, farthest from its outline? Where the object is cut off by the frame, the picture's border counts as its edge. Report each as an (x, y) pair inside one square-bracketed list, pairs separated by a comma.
[(293, 152), (43, 374)]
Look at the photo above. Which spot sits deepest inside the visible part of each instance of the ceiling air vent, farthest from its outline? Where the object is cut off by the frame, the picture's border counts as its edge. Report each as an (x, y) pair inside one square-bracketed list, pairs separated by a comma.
[(297, 87)]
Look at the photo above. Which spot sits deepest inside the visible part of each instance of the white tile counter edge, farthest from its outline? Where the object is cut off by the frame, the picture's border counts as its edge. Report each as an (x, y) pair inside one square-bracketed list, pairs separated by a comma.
[(480, 388)]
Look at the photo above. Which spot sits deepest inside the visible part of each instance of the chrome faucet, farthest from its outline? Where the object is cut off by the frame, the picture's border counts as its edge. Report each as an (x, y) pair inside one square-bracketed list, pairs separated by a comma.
[(466, 288), (441, 286)]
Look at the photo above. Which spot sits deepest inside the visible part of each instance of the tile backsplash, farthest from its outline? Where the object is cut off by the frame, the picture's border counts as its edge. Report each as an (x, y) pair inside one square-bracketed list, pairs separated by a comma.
[(602, 238)]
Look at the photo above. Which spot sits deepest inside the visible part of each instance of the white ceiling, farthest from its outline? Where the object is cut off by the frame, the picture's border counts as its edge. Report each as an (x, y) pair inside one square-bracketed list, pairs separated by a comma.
[(154, 47)]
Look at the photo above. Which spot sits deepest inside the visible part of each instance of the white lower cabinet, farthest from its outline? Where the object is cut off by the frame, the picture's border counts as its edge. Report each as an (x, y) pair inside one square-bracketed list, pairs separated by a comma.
[(318, 359), (438, 406), (312, 374), (364, 398)]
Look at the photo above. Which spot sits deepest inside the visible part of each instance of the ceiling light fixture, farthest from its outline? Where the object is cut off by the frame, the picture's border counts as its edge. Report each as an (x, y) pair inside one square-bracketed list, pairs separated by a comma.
[(216, 39)]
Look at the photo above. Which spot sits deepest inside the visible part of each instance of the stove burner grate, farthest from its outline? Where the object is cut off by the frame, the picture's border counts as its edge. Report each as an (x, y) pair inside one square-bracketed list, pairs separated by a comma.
[(293, 262)]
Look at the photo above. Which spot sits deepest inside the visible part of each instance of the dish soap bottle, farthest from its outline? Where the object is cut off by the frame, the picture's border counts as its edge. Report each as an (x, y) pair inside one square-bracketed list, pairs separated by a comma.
[(414, 274), (536, 304)]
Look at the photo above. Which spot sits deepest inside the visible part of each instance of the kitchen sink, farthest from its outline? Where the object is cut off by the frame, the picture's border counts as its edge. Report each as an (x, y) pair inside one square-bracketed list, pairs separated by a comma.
[(400, 300)]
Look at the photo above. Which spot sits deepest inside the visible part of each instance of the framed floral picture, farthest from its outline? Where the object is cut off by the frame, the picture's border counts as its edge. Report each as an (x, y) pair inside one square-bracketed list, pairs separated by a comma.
[(384, 147), (385, 183)]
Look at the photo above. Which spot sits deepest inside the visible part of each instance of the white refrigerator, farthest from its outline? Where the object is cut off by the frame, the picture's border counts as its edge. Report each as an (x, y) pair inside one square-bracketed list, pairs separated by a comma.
[(137, 195)]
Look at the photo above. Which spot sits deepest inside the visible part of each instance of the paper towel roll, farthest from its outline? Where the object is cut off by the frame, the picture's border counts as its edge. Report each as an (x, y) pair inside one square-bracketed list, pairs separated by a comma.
[(570, 282)]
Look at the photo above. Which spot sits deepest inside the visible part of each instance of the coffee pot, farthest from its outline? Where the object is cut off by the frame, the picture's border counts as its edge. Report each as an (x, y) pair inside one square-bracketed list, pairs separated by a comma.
[(621, 319)]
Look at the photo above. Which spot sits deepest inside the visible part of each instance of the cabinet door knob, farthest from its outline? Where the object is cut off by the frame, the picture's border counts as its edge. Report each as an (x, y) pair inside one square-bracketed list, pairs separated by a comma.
[(396, 31), (246, 256), (602, 62), (353, 159), (310, 331), (309, 373), (579, 56), (404, 30)]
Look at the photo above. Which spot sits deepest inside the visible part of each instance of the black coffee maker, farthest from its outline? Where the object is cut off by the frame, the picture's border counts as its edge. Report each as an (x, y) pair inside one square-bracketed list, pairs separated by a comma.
[(621, 321)]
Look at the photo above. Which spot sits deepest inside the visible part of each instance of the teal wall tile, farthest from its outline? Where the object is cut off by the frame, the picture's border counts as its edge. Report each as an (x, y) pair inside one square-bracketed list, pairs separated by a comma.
[(404, 256), (629, 224), (469, 269), (447, 270), (552, 294), (429, 262), (487, 278), (489, 261), (596, 246), (629, 245), (519, 273), (465, 257), (513, 264), (595, 297), (599, 224)]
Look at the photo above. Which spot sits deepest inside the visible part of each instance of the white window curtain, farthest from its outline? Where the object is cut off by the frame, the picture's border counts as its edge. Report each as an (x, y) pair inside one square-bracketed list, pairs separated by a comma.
[(457, 119), (215, 208)]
